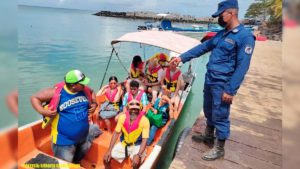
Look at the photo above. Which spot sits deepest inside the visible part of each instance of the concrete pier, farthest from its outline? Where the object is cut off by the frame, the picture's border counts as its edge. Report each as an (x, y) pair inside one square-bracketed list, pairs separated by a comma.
[(256, 119)]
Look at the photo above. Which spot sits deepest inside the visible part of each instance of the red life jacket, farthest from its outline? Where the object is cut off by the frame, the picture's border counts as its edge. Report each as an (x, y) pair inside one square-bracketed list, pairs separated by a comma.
[(152, 74), (136, 72), (138, 97), (56, 97), (111, 97), (171, 82)]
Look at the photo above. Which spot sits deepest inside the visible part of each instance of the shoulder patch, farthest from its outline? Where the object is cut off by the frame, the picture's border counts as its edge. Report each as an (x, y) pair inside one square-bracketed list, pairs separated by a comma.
[(248, 49)]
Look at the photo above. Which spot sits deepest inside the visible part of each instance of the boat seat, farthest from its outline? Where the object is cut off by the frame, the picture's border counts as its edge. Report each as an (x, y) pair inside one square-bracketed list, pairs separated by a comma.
[(98, 148)]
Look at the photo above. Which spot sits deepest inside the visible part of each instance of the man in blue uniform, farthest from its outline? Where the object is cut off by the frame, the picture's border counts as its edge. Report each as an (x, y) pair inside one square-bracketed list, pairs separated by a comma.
[(231, 51)]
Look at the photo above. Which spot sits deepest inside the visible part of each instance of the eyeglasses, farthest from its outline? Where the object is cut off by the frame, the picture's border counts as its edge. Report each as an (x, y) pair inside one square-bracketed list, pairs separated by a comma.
[(134, 104)]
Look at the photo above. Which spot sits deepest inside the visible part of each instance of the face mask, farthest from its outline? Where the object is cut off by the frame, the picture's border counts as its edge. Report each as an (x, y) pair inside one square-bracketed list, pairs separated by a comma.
[(221, 22)]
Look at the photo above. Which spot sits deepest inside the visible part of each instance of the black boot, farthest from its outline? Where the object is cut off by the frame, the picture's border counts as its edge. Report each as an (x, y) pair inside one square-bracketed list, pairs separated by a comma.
[(216, 152), (207, 137)]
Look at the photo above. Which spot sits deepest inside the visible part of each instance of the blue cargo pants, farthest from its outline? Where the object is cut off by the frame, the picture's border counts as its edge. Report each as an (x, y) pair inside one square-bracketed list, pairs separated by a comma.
[(216, 111)]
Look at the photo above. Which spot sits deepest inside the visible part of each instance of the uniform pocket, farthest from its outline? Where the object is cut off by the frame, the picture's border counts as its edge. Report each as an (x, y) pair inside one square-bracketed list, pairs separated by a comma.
[(228, 48)]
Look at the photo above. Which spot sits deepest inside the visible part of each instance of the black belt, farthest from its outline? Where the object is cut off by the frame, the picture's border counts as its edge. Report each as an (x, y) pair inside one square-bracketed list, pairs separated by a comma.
[(126, 149)]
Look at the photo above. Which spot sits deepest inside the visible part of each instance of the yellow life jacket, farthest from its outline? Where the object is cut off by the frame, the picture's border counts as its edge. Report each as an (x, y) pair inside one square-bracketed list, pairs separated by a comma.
[(152, 74), (136, 72), (171, 82), (131, 133)]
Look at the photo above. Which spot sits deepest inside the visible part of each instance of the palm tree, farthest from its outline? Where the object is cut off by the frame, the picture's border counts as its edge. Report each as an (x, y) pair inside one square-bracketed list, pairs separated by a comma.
[(276, 8)]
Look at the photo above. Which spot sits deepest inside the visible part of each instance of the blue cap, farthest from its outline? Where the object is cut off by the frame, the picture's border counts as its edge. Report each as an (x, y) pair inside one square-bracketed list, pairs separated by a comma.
[(222, 6)]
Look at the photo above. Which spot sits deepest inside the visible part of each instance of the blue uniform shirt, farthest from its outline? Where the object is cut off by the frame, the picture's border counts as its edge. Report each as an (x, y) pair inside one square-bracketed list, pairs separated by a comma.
[(230, 57)]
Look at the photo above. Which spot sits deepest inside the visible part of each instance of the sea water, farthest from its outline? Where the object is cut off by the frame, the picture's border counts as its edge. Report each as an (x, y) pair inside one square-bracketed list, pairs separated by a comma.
[(53, 41)]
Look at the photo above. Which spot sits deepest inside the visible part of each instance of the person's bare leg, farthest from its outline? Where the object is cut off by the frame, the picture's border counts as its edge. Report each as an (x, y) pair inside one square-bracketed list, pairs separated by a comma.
[(108, 125)]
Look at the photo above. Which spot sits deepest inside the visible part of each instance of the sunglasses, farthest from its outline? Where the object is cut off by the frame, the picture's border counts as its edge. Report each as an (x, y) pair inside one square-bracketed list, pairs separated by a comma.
[(112, 83), (83, 77)]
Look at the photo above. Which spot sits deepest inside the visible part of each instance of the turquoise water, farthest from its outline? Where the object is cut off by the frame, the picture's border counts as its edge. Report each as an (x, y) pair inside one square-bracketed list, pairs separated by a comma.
[(53, 41), (8, 61)]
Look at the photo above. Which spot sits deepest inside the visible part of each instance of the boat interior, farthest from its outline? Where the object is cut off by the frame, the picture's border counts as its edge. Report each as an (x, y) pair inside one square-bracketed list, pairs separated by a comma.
[(34, 143)]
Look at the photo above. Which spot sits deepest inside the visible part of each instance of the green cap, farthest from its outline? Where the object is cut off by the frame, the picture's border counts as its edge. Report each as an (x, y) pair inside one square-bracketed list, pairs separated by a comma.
[(76, 76)]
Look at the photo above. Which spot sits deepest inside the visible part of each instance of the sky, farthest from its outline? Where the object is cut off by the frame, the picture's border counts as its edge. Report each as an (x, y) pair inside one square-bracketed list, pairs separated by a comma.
[(198, 8)]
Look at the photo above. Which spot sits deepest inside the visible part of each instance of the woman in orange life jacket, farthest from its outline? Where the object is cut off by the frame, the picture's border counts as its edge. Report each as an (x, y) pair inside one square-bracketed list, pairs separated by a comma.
[(137, 69), (171, 84), (153, 78), (110, 107)]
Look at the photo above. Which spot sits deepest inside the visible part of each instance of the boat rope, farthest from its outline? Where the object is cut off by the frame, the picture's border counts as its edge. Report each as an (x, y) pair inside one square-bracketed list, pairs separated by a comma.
[(121, 62), (112, 51)]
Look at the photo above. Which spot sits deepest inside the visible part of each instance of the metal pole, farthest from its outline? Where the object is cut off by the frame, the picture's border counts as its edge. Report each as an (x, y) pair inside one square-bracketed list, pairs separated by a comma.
[(112, 51), (189, 71), (121, 62)]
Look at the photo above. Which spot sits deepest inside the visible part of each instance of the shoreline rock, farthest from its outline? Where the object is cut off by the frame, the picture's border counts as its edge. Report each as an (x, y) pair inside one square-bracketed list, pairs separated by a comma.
[(156, 17)]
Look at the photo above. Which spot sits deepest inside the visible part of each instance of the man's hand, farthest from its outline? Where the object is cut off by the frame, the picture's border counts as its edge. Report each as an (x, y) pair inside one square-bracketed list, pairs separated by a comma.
[(49, 113), (175, 60), (107, 158), (92, 108), (136, 161), (227, 98)]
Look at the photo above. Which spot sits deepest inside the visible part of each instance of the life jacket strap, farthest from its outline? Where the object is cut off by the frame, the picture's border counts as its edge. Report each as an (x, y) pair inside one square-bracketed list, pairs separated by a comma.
[(126, 148)]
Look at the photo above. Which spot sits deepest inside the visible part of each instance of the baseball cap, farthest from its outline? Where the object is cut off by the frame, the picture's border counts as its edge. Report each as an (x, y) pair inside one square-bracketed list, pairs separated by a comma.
[(76, 76), (162, 57), (134, 104), (222, 6)]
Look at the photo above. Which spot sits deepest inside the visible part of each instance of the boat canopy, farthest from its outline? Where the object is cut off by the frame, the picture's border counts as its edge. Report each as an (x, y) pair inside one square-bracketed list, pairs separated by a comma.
[(166, 40)]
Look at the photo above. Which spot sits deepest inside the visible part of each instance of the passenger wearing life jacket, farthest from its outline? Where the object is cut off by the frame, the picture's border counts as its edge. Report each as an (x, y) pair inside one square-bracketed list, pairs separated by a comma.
[(133, 127), (162, 60), (110, 107), (154, 75), (71, 102), (137, 94), (137, 72), (173, 81), (158, 116)]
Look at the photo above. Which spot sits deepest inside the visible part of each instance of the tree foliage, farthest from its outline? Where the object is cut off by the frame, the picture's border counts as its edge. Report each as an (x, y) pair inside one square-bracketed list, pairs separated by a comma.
[(256, 10), (265, 9)]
